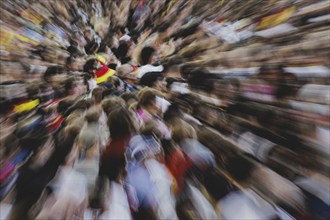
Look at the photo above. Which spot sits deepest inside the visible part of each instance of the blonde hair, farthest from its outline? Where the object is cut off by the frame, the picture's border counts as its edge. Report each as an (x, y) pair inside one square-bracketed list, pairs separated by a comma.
[(112, 103), (182, 130), (92, 115)]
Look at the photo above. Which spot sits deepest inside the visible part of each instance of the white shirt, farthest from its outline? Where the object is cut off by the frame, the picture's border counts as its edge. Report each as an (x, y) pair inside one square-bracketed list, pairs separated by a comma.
[(149, 68), (245, 204)]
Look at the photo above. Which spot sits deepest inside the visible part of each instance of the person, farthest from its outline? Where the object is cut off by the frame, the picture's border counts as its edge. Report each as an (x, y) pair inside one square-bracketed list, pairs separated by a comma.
[(42, 167), (102, 72), (88, 144), (128, 73), (123, 52), (148, 110), (153, 80), (147, 59), (245, 203), (117, 85), (68, 198), (72, 64), (113, 160), (54, 76), (149, 180), (91, 48), (177, 162)]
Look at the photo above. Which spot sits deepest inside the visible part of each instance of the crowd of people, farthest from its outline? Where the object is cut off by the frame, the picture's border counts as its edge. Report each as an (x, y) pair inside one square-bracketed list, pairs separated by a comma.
[(140, 109)]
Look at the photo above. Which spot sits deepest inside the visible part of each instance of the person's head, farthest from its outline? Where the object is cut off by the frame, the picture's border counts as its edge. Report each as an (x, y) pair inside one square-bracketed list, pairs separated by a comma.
[(150, 128), (112, 103), (82, 84), (72, 63), (92, 116), (120, 123), (115, 81), (125, 72), (55, 75), (148, 101), (181, 130), (92, 48), (129, 98), (97, 95), (153, 80), (240, 168), (172, 113), (147, 55), (80, 106), (73, 50), (71, 87), (91, 66), (122, 50), (88, 35)]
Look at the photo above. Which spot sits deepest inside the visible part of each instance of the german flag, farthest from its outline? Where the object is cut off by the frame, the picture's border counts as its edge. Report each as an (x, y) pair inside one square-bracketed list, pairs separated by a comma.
[(103, 74), (26, 105), (101, 59)]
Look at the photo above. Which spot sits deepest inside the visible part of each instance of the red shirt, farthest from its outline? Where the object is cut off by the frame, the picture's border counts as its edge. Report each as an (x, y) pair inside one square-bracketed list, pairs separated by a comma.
[(116, 147), (178, 163)]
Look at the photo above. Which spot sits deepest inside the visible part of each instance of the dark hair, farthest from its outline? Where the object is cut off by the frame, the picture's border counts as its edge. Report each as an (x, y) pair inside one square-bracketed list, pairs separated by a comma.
[(186, 70), (69, 84), (103, 47), (122, 50), (172, 112), (239, 168), (63, 106), (112, 66), (81, 105), (52, 71), (146, 55), (5, 106), (73, 50), (88, 76), (90, 65), (186, 31), (120, 123), (168, 147), (70, 60), (91, 48), (150, 78)]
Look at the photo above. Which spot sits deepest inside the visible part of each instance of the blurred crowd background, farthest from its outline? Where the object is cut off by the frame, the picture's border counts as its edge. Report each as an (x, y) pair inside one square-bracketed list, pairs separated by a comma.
[(164, 109)]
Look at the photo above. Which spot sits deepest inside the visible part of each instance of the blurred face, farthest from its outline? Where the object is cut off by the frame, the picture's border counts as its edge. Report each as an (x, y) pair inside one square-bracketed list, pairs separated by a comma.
[(160, 85), (74, 65), (153, 108), (81, 87), (154, 57), (89, 35), (57, 80)]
